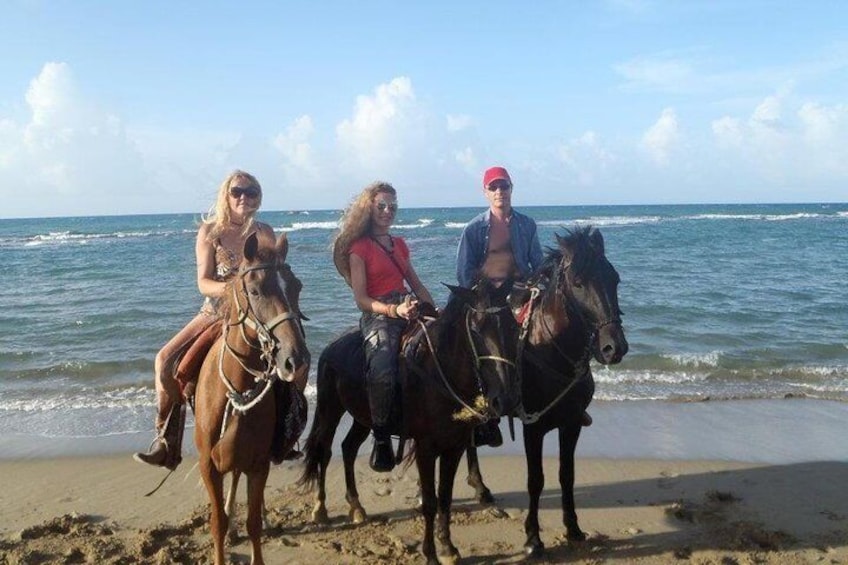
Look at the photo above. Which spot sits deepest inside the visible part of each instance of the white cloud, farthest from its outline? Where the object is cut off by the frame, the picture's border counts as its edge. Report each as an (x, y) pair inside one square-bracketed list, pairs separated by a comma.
[(465, 157), (377, 135), (660, 73), (586, 158), (797, 147), (294, 146), (73, 157), (660, 139), (459, 122)]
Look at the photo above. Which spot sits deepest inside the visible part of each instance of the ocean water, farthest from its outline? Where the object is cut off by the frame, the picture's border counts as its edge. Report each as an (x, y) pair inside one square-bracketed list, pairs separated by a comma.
[(721, 302)]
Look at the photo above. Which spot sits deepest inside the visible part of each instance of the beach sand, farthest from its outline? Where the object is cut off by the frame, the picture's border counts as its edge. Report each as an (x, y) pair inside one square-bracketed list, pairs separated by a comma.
[(92, 509)]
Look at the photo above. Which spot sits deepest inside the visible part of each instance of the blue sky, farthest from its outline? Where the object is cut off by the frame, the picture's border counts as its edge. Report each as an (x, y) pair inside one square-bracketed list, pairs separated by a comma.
[(120, 108)]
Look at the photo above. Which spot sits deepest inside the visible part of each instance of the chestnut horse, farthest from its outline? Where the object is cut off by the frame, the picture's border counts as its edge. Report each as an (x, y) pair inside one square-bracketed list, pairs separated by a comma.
[(569, 314), (463, 373), (235, 404)]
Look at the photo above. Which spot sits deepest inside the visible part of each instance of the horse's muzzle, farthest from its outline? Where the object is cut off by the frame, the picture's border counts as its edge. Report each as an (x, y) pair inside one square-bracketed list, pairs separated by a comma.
[(612, 345)]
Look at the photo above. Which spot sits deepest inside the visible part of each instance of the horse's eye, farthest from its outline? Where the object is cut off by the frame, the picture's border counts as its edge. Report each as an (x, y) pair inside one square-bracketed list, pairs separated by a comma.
[(254, 292)]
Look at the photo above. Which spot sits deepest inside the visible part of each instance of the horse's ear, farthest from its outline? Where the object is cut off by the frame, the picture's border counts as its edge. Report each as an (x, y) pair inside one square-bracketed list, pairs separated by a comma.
[(597, 240), (466, 294), (251, 246), (282, 247)]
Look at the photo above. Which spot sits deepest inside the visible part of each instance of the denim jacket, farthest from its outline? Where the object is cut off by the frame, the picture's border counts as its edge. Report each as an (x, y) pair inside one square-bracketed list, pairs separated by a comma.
[(471, 253)]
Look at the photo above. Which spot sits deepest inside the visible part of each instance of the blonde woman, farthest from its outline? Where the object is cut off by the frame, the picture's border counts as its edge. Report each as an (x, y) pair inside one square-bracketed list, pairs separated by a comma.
[(377, 266), (218, 249)]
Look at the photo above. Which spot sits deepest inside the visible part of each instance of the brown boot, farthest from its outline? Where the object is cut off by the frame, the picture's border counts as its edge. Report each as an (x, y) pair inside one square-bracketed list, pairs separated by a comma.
[(166, 448)]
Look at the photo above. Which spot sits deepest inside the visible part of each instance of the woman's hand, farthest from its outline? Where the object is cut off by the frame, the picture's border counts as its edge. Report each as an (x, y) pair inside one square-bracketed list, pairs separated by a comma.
[(408, 309)]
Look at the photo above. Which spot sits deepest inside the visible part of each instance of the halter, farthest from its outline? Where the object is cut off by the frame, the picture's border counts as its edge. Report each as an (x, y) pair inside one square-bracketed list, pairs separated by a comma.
[(268, 346), (581, 366), (468, 412)]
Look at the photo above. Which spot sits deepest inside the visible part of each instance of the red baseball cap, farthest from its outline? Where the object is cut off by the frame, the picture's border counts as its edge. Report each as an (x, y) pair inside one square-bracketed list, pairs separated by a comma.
[(495, 173)]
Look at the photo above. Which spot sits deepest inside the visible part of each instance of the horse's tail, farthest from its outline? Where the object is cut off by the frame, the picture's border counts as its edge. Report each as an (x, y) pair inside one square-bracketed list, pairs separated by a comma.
[(317, 449)]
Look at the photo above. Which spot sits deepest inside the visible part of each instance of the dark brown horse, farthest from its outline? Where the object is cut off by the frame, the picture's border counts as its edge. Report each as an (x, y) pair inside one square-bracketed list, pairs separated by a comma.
[(569, 314), (462, 367), (235, 403)]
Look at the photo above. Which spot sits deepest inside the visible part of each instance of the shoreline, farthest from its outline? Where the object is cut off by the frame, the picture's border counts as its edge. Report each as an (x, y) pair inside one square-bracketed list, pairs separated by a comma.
[(775, 431)]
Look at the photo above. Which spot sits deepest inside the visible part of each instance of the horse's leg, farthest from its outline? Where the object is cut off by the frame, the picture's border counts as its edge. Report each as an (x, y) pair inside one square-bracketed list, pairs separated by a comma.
[(568, 436), (533, 436), (475, 479), (426, 462), (214, 482), (448, 464), (230, 508), (255, 506), (328, 414), (350, 447)]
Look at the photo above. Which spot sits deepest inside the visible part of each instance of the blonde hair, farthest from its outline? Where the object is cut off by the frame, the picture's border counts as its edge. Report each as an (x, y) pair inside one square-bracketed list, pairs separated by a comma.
[(219, 214), (355, 223)]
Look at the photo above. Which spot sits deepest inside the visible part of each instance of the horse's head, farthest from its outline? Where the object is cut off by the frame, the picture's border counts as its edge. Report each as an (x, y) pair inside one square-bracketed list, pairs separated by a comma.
[(492, 335), (266, 295), (589, 284)]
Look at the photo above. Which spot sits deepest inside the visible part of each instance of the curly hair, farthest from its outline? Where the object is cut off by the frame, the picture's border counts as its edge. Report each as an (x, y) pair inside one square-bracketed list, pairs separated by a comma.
[(355, 223), (219, 213)]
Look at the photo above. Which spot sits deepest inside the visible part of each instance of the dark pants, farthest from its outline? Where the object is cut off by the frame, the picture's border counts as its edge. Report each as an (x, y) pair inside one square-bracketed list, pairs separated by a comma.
[(381, 336)]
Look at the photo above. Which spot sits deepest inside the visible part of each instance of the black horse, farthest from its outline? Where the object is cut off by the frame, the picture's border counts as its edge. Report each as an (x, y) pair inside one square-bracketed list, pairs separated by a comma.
[(461, 373), (569, 313)]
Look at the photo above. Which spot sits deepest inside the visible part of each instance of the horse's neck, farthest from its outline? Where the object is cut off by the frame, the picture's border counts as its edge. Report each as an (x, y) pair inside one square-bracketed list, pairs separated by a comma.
[(454, 354), (238, 341), (553, 327)]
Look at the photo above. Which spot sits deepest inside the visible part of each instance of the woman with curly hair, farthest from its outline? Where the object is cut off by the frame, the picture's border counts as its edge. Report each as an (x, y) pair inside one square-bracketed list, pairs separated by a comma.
[(377, 266)]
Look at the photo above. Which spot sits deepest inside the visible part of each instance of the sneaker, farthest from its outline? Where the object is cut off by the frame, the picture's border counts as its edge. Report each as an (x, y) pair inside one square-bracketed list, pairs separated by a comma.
[(382, 456)]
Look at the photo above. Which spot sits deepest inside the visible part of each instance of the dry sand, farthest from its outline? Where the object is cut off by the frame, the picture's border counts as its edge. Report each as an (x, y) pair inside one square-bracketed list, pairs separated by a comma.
[(92, 510)]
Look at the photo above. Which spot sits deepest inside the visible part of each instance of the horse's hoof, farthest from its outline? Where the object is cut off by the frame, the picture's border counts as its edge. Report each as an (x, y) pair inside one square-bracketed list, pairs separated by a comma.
[(534, 550), (232, 538), (575, 535), (319, 515), (357, 515), (485, 497), (448, 559)]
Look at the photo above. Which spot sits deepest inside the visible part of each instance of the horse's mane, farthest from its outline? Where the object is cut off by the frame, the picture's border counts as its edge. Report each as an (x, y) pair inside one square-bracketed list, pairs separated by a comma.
[(583, 256)]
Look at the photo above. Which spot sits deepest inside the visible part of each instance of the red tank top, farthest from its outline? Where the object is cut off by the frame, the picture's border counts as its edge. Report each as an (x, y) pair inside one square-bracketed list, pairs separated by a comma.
[(381, 274)]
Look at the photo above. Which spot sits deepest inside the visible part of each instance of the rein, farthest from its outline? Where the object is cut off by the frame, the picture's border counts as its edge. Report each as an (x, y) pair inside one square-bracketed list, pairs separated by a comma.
[(467, 412), (242, 402)]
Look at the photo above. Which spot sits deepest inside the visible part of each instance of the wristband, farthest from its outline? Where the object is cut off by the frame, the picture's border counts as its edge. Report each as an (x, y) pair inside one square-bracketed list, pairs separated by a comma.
[(393, 310)]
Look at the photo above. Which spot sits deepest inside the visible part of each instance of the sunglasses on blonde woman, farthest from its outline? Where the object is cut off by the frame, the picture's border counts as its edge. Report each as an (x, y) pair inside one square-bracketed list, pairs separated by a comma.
[(382, 206), (248, 192)]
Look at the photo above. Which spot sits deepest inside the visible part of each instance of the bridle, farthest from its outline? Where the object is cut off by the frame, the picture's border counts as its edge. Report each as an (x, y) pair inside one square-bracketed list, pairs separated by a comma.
[(580, 366), (268, 346), (469, 412)]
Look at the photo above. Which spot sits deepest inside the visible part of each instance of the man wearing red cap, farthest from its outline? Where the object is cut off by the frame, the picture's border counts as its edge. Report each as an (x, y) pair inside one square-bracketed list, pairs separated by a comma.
[(499, 244)]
